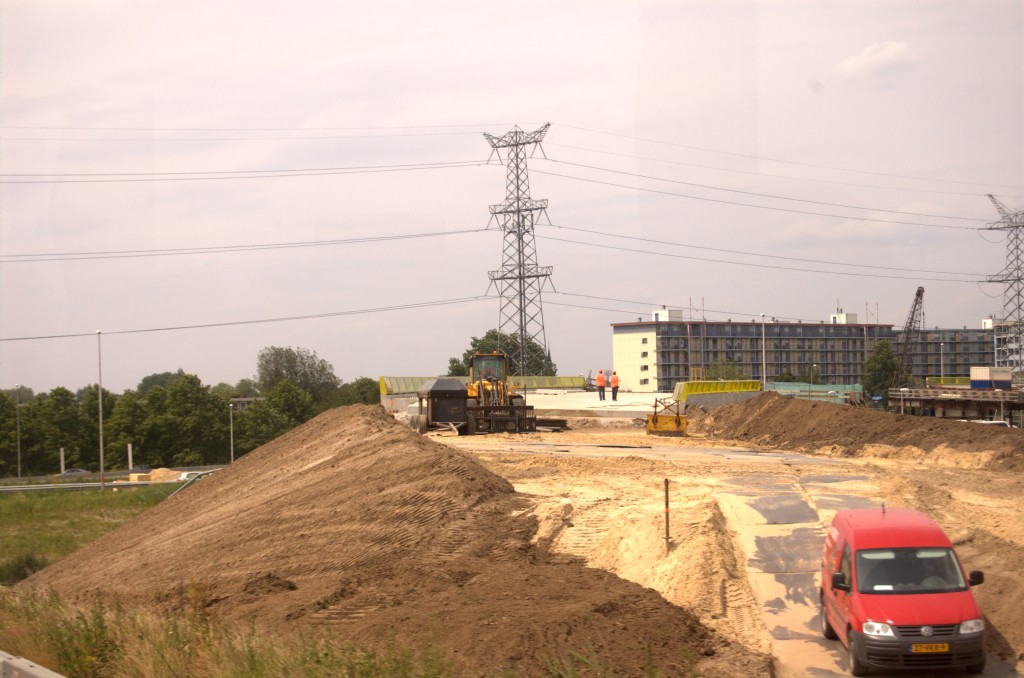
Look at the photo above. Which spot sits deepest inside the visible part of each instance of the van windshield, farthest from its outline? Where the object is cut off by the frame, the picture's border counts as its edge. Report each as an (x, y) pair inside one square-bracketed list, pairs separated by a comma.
[(908, 570)]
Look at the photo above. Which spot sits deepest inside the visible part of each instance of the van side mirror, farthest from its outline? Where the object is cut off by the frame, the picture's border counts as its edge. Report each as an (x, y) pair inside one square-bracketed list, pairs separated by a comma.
[(839, 582), (976, 577)]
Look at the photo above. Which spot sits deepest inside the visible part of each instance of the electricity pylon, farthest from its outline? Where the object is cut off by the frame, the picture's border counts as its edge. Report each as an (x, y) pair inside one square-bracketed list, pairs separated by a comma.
[(520, 280), (1009, 330)]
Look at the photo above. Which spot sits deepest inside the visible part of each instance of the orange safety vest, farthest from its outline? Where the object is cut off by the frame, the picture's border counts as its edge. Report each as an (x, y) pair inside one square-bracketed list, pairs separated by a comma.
[(615, 381), (600, 379)]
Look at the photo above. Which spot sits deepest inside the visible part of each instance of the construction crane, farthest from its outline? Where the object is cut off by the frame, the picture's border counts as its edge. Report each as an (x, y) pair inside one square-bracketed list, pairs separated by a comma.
[(901, 375)]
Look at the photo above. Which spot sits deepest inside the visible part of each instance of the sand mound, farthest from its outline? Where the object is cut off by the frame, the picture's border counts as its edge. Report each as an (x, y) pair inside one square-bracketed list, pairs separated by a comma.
[(354, 522), (772, 420)]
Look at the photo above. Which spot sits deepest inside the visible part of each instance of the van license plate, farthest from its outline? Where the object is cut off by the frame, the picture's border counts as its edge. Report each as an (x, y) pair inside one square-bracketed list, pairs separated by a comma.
[(929, 647)]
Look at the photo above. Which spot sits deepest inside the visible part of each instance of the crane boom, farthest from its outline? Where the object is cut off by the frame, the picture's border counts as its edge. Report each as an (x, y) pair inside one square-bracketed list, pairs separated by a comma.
[(911, 328)]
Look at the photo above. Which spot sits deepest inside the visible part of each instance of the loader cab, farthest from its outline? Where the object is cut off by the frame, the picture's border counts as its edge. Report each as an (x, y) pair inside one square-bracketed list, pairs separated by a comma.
[(488, 367)]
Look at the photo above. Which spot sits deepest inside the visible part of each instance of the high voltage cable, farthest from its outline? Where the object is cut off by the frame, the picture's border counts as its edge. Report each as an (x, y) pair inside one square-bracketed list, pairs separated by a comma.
[(761, 207), (548, 144), (757, 254), (241, 174), (763, 195), (736, 263), (135, 254), (312, 316), (304, 138), (132, 254), (249, 129), (786, 162)]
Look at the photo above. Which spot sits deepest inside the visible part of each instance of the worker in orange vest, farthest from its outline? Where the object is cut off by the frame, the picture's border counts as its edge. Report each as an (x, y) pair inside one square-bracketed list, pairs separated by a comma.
[(615, 385), (600, 381)]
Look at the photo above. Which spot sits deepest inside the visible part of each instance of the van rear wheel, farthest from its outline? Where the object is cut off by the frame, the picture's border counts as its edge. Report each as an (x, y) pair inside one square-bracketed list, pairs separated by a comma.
[(826, 628)]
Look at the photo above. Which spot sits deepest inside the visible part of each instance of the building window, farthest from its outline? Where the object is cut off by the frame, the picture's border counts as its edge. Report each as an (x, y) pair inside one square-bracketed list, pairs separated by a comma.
[(643, 354), (643, 382), (643, 368), (643, 340)]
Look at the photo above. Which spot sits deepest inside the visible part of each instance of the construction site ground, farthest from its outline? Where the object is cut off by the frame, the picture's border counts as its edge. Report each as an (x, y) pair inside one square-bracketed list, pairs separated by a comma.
[(513, 552)]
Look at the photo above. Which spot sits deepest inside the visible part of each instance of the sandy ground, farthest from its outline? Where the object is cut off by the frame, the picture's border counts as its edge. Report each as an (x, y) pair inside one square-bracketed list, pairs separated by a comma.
[(511, 550)]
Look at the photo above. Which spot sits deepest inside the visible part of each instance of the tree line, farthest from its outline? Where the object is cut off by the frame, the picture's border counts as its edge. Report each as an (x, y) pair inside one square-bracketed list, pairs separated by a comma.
[(171, 419)]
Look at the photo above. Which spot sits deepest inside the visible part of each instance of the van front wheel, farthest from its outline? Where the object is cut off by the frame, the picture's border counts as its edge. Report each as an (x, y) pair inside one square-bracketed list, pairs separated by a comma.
[(826, 628), (857, 666)]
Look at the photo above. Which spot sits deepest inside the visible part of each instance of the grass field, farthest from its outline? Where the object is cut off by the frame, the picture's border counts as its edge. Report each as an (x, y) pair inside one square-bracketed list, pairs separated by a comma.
[(38, 528)]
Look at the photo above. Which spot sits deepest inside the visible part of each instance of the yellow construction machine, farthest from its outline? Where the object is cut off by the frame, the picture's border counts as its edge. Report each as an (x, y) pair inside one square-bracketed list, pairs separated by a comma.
[(668, 418), (492, 405), (486, 404)]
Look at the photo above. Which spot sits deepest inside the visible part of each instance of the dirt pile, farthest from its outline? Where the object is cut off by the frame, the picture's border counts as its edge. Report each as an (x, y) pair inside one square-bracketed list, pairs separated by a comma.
[(355, 523), (771, 420)]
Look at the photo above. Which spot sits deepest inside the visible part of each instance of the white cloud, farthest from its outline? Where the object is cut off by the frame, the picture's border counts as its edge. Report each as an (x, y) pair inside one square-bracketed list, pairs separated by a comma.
[(877, 61)]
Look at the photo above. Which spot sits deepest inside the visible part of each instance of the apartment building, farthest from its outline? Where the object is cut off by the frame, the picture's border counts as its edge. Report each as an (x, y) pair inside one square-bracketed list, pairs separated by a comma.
[(653, 355)]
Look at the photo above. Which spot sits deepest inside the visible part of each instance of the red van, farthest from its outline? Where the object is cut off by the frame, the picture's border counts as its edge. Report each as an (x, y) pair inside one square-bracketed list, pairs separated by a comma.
[(893, 590)]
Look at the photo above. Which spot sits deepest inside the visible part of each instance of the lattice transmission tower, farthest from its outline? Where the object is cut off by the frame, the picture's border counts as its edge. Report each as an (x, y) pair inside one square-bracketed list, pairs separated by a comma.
[(520, 280), (1009, 330)]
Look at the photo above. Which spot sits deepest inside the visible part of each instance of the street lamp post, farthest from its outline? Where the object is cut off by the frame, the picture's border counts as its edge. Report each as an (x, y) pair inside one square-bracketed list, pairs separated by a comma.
[(764, 372), (942, 364), (99, 393), (231, 428), (17, 418)]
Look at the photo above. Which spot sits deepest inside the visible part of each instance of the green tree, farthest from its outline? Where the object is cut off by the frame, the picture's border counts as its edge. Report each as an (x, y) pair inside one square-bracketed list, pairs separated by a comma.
[(292, 403), (300, 366), (8, 436), (539, 363), (786, 377), (126, 426), (89, 407), (285, 407), (362, 390), (724, 370), (246, 388), (879, 370), (57, 421), (161, 379), (200, 422)]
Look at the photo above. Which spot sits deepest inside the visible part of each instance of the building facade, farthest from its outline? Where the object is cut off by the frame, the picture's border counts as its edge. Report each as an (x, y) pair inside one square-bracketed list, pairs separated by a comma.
[(653, 355)]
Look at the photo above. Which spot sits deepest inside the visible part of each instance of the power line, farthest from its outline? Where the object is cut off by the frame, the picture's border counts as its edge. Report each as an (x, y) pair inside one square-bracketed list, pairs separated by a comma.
[(786, 162), (132, 254), (251, 129), (131, 177), (761, 207), (762, 174), (764, 195), (334, 314), (758, 254), (752, 265)]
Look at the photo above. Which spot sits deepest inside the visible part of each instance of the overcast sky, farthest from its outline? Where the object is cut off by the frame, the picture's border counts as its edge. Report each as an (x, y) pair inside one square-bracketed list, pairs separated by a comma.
[(787, 158)]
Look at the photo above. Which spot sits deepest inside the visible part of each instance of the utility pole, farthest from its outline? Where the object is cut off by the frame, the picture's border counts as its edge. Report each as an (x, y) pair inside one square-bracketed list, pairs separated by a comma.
[(1009, 330), (520, 280)]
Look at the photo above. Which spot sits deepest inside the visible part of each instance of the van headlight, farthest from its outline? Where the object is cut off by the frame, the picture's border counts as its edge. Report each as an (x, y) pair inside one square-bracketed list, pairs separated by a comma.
[(879, 629), (972, 626)]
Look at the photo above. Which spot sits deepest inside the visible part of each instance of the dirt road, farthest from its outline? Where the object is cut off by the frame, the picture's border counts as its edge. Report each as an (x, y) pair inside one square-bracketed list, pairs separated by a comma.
[(746, 526)]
